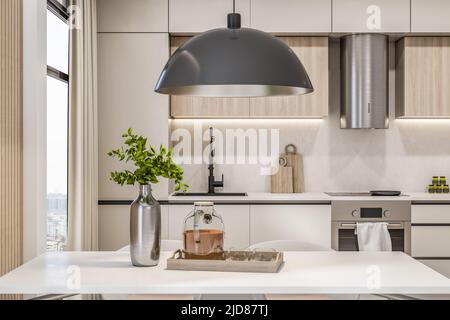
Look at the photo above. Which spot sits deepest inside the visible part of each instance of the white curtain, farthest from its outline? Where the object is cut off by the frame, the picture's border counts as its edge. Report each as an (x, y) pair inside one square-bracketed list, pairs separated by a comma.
[(83, 136)]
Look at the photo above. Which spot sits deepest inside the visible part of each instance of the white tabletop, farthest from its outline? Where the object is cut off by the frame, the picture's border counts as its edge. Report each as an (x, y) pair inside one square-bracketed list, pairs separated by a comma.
[(303, 273)]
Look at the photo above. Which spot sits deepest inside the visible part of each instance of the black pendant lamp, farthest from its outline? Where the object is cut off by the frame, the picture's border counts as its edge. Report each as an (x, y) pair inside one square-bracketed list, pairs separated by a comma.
[(234, 62)]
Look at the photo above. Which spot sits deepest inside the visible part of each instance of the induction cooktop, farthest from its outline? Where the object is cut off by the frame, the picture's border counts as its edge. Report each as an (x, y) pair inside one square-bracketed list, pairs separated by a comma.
[(385, 193)]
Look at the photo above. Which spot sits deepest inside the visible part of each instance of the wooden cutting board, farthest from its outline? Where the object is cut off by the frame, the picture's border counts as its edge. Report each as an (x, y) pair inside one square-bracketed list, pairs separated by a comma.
[(282, 181), (295, 161)]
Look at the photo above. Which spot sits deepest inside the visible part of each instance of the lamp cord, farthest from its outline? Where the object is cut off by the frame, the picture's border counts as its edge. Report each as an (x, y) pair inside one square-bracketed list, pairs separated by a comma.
[(234, 6)]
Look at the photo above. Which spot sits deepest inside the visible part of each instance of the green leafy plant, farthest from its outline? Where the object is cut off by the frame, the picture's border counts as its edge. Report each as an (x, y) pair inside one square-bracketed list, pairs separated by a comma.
[(150, 163)]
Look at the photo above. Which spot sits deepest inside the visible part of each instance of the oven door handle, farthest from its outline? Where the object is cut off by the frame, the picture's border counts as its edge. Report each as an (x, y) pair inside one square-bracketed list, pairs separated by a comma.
[(389, 225)]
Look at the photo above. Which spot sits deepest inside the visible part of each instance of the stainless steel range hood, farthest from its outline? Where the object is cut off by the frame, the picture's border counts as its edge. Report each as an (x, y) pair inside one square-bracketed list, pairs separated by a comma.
[(364, 82)]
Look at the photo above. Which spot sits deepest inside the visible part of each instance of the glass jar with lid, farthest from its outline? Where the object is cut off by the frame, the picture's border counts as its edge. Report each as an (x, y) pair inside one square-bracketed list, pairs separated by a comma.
[(203, 232)]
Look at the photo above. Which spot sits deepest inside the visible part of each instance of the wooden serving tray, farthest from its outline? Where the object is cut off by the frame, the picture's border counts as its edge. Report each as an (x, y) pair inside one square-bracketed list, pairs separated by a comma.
[(258, 263)]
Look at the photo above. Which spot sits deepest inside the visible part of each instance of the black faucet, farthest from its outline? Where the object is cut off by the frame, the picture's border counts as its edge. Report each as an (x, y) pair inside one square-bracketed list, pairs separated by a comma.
[(212, 183)]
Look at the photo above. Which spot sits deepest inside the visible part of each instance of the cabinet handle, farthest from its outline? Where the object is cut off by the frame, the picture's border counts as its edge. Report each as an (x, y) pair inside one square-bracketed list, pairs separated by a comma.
[(353, 225)]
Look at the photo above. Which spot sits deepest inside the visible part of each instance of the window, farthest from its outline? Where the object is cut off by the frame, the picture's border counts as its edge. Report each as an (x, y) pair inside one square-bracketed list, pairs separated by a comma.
[(57, 123)]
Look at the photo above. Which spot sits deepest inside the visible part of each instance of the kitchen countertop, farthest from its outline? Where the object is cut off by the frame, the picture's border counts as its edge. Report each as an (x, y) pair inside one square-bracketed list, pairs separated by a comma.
[(326, 272), (293, 198), (310, 198), (254, 198), (424, 198)]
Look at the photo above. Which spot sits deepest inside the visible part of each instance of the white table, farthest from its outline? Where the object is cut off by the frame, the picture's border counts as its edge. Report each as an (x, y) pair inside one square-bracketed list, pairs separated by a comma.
[(303, 273)]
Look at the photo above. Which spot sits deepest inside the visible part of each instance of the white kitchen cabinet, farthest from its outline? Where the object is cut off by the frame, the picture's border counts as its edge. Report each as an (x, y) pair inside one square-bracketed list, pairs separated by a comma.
[(114, 226), (430, 16), (196, 16), (306, 223), (430, 241), (441, 266), (430, 214), (371, 16), (235, 217), (430, 236), (291, 16), (129, 65), (132, 15)]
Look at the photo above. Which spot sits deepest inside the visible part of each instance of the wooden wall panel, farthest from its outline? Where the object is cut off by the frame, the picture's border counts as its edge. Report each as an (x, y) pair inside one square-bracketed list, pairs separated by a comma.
[(11, 243)]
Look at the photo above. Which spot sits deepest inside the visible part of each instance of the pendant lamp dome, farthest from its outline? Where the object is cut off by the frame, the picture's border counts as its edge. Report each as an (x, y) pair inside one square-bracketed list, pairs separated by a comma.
[(234, 62)]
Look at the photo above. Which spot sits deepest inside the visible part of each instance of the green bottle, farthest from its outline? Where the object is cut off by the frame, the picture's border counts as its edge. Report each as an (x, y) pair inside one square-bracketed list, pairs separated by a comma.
[(435, 180), (431, 188)]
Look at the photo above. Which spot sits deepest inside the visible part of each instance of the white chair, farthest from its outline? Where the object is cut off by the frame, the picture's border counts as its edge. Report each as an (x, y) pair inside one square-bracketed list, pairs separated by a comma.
[(288, 245), (166, 245)]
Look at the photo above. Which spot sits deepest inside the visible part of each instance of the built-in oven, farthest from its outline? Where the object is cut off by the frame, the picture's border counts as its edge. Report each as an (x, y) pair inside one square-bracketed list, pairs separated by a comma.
[(346, 214)]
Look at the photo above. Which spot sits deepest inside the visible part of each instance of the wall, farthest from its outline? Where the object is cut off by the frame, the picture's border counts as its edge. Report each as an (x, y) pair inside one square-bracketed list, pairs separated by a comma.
[(10, 135), (133, 47), (403, 157)]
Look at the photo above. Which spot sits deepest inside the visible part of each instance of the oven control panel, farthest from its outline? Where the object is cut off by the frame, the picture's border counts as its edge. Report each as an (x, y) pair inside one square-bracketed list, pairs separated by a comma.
[(371, 213), (371, 210)]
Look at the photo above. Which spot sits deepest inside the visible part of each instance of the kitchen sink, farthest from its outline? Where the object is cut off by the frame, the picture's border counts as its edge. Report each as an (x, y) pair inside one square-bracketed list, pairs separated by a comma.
[(205, 194)]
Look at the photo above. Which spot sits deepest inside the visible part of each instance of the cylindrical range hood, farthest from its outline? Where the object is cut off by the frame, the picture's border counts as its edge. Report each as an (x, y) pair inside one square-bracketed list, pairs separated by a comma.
[(364, 82)]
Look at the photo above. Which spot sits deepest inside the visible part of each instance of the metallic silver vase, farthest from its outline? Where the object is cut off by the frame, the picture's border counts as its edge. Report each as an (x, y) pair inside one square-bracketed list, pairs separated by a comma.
[(145, 229)]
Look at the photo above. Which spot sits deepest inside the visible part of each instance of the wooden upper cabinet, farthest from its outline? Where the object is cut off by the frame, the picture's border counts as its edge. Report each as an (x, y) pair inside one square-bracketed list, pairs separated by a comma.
[(198, 107), (423, 77), (313, 52), (196, 16), (371, 15), (430, 16), (132, 15), (205, 107), (291, 16)]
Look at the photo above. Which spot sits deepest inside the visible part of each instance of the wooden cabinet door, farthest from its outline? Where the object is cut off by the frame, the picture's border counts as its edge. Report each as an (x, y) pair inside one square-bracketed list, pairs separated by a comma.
[(423, 77), (305, 223), (235, 217), (371, 15), (203, 107), (291, 16), (132, 15), (430, 16), (313, 53), (129, 65), (198, 107), (196, 16)]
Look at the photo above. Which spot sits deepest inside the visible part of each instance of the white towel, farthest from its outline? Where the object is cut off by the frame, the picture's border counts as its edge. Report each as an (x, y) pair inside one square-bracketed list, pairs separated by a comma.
[(373, 236)]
